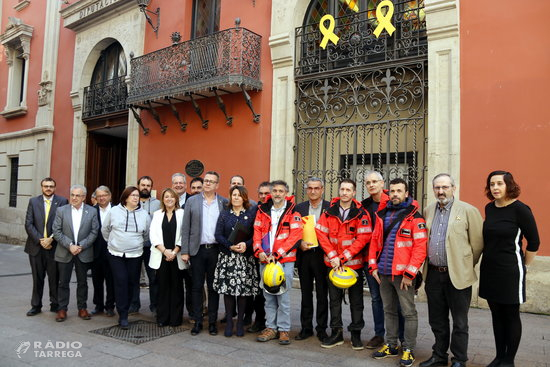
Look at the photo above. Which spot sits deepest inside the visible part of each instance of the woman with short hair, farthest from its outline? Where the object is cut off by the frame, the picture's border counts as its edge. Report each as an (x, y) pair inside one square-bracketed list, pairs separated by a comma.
[(503, 266)]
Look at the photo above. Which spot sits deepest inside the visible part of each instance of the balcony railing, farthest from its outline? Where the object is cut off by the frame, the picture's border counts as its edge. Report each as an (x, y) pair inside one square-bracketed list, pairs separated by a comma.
[(227, 60), (105, 98)]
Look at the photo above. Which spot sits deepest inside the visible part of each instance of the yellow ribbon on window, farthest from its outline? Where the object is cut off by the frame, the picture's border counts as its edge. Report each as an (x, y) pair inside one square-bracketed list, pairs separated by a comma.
[(328, 33), (352, 4), (384, 21)]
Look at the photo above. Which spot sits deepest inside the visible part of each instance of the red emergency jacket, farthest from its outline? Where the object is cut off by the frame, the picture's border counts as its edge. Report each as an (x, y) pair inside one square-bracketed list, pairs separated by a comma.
[(410, 243), (289, 231), (366, 204), (346, 239)]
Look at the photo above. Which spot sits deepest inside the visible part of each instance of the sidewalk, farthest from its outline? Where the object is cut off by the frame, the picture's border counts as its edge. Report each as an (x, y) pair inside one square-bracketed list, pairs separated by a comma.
[(76, 346)]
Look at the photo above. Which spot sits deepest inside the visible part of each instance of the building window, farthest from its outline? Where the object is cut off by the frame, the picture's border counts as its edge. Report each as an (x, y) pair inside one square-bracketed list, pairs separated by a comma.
[(17, 44), (14, 177), (206, 17)]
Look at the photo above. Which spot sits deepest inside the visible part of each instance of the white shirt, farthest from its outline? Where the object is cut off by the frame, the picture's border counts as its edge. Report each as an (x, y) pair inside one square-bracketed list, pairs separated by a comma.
[(183, 197), (77, 218), (103, 212), (276, 215)]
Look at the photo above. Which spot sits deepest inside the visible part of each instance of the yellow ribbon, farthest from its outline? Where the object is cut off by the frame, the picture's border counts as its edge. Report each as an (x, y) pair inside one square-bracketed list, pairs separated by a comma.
[(384, 21), (328, 32), (352, 4)]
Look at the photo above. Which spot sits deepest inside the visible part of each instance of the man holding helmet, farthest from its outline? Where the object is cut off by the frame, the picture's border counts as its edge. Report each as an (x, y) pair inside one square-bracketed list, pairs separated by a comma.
[(343, 231), (277, 229)]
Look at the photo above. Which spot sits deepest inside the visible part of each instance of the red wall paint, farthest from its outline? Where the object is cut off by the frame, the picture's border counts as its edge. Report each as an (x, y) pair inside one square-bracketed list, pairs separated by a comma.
[(505, 73), (243, 148)]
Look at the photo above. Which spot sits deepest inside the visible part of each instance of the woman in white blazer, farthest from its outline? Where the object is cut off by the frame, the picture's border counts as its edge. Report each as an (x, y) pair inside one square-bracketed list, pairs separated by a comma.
[(165, 236)]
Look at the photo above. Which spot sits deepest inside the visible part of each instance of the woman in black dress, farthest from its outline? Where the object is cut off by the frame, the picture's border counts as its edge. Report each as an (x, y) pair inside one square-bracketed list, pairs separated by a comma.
[(165, 235), (236, 274), (503, 265)]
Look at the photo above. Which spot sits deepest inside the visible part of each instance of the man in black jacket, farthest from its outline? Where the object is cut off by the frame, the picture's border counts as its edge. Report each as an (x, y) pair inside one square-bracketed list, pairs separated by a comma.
[(311, 267)]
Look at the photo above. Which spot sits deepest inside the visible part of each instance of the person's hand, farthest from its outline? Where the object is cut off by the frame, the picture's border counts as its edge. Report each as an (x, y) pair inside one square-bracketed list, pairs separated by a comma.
[(241, 247), (304, 246), (185, 257), (170, 255), (74, 249), (46, 243), (375, 275), (335, 262), (406, 283), (263, 257), (271, 259)]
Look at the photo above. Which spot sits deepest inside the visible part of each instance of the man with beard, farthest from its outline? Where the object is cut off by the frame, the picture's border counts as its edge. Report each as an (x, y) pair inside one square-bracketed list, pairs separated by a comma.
[(196, 186), (41, 245), (150, 204), (396, 252), (454, 248)]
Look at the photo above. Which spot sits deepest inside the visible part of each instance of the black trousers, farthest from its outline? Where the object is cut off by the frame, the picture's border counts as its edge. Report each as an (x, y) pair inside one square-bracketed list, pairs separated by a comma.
[(188, 285), (41, 264), (63, 290), (153, 285), (125, 277), (356, 304), (256, 304), (443, 298), (507, 330), (104, 296), (203, 266), (312, 270), (170, 295)]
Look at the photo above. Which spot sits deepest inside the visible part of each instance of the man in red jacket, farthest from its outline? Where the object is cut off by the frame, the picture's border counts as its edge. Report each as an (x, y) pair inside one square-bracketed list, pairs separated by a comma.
[(397, 250), (343, 231), (277, 229)]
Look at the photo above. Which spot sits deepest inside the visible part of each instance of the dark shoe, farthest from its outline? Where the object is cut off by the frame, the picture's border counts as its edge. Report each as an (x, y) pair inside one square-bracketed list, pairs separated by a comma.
[(375, 342), (196, 328), (34, 311), (83, 314), (284, 338), (124, 324), (240, 329), (53, 308), (96, 311), (255, 328), (109, 312), (494, 363), (433, 362), (213, 330), (303, 334), (247, 320), (224, 319), (336, 338), (407, 359), (457, 364), (356, 343), (61, 316), (228, 329), (322, 335), (386, 351)]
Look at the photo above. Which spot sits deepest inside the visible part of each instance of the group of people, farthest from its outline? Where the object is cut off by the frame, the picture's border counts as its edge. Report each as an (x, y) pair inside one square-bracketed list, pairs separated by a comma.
[(185, 240)]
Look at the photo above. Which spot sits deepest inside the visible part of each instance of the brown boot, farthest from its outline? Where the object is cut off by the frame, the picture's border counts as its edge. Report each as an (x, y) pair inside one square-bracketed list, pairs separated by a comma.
[(267, 335), (61, 316), (284, 338)]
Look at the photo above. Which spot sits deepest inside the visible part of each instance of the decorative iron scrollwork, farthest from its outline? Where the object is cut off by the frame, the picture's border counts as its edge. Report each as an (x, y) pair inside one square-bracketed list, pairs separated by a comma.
[(105, 98)]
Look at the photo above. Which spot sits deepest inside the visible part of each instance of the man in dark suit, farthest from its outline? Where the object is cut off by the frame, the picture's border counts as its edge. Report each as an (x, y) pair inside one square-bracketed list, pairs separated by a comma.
[(75, 229), (41, 245), (311, 267), (199, 244), (101, 271)]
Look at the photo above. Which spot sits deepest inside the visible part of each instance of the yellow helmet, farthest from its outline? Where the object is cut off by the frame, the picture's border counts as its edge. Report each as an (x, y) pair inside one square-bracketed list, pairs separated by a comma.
[(344, 278), (273, 278)]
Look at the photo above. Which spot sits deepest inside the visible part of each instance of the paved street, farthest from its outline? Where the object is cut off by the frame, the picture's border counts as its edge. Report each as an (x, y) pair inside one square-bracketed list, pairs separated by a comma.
[(76, 346)]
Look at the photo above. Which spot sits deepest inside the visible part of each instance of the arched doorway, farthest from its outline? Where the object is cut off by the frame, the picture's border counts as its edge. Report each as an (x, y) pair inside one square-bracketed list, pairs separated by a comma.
[(105, 114), (362, 103)]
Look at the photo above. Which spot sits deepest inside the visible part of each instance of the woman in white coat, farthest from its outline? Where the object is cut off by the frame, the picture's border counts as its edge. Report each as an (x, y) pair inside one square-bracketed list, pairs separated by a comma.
[(165, 235)]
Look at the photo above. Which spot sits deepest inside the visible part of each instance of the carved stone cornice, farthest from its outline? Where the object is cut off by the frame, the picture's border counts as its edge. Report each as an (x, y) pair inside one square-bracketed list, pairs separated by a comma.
[(21, 5), (83, 13), (16, 33)]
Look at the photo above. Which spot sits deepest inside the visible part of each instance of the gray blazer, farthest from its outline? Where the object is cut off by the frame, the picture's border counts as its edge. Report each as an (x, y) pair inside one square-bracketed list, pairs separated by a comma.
[(34, 222), (63, 233), (191, 228)]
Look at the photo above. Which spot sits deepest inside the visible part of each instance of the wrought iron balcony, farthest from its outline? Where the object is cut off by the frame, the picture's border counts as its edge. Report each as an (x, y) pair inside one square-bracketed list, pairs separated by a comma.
[(105, 98), (227, 61), (358, 47)]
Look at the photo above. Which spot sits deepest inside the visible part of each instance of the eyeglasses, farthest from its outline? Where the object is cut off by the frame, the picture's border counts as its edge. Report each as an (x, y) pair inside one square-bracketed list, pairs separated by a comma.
[(444, 188), (368, 183), (210, 182)]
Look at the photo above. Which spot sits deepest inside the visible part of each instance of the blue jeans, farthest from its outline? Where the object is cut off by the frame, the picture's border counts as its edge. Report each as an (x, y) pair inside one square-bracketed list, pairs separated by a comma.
[(378, 308), (277, 308)]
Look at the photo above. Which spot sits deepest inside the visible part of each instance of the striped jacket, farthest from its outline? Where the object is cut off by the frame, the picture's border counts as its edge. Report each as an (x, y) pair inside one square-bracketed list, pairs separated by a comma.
[(344, 239), (289, 231)]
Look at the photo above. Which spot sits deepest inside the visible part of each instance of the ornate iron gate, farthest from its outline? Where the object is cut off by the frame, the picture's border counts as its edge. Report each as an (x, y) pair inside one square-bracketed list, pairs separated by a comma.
[(361, 107)]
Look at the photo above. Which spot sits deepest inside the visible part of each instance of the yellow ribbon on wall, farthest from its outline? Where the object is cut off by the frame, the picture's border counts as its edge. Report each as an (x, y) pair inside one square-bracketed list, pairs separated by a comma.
[(384, 21)]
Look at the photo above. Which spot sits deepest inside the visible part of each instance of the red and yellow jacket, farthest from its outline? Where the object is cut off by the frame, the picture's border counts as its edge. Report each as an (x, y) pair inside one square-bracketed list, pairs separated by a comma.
[(289, 231), (346, 239), (409, 246)]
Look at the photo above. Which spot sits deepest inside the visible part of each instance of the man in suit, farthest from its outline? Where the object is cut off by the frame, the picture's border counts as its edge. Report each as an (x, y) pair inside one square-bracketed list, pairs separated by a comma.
[(179, 185), (311, 267), (41, 245), (75, 229), (198, 244), (101, 271), (454, 247)]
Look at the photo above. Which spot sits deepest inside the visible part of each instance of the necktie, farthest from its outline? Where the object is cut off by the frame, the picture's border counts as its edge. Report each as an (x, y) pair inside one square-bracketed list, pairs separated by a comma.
[(48, 206)]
